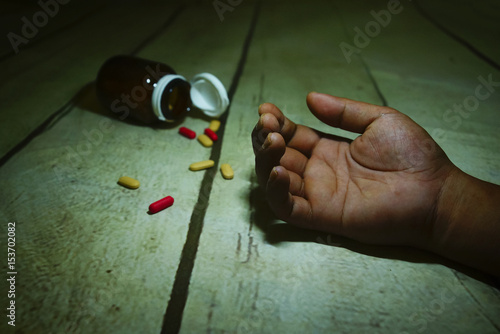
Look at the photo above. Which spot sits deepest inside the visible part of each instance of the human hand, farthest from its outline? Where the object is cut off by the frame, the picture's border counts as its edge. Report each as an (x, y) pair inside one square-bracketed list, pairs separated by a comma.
[(381, 188)]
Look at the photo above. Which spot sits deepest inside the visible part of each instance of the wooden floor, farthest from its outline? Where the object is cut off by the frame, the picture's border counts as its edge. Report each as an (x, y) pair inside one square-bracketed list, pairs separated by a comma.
[(90, 259)]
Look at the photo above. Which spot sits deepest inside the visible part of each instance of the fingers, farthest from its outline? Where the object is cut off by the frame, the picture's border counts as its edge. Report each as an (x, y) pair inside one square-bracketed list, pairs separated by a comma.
[(266, 124), (287, 207), (271, 150), (343, 113), (298, 137), (268, 156), (273, 153), (285, 127)]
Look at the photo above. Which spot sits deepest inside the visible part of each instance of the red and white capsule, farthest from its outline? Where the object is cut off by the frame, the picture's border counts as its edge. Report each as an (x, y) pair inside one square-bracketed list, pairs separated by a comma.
[(212, 135), (161, 204), (188, 133)]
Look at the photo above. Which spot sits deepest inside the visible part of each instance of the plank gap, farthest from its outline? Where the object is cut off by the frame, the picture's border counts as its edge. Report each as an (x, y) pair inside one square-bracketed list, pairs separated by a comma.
[(178, 297)]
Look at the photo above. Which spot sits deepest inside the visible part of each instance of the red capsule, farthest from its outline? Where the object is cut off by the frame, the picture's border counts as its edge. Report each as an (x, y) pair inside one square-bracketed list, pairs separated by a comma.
[(212, 135), (161, 204), (187, 133)]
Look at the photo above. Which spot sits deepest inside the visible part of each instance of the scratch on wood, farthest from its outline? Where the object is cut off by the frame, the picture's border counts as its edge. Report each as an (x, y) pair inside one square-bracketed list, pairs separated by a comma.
[(211, 313), (16, 198), (238, 246), (481, 309), (250, 246), (249, 250), (255, 297), (240, 288), (256, 248)]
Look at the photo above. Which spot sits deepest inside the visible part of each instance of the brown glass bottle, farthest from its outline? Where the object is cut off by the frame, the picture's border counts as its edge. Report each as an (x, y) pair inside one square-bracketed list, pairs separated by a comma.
[(126, 85)]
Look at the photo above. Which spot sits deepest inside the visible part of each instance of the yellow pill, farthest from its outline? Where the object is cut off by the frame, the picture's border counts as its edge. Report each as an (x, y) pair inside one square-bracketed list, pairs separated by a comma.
[(214, 125), (201, 165), (205, 141), (128, 182), (227, 171)]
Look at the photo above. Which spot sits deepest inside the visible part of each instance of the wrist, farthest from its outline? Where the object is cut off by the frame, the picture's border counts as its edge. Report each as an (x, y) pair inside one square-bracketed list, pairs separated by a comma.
[(467, 222), (449, 203)]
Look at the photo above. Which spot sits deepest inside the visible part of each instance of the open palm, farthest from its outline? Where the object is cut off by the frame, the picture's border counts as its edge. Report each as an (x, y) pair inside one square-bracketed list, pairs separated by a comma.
[(380, 188)]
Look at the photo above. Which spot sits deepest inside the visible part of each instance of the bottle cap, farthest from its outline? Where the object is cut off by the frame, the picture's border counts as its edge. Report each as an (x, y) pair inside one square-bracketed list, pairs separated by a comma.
[(209, 94)]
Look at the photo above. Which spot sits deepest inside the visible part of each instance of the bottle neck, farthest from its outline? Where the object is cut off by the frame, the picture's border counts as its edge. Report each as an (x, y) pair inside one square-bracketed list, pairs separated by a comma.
[(166, 86)]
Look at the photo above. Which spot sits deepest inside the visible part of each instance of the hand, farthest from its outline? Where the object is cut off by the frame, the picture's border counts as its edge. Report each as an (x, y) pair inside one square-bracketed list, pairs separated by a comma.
[(381, 188)]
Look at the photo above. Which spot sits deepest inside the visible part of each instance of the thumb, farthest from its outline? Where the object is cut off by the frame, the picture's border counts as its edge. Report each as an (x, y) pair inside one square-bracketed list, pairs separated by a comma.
[(343, 113)]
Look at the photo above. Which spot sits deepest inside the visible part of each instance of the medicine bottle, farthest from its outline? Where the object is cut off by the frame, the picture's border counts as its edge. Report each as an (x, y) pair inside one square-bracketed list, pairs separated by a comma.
[(151, 91)]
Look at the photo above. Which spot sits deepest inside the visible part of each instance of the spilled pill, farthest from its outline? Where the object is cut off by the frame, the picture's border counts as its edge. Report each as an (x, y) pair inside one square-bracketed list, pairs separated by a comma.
[(214, 125), (161, 204), (188, 133), (205, 140), (212, 135), (227, 171), (201, 165), (128, 182)]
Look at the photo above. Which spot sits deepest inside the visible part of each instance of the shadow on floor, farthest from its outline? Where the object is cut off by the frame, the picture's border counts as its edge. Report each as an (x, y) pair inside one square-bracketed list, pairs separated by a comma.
[(276, 232)]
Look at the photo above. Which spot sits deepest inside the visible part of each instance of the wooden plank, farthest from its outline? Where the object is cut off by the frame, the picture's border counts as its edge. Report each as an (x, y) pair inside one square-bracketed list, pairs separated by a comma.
[(25, 24), (254, 274), (90, 256), (481, 28), (34, 90)]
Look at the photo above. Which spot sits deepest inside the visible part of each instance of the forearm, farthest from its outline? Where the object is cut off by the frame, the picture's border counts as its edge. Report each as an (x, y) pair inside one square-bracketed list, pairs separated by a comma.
[(467, 226)]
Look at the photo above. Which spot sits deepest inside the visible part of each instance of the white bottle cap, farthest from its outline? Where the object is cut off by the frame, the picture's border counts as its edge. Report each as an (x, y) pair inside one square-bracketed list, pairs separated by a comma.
[(207, 93)]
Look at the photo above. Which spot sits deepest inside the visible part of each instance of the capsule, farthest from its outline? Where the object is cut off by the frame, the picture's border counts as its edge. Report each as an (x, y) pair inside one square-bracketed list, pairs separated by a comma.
[(188, 133), (205, 140), (128, 182), (212, 135), (161, 204), (201, 165), (214, 125), (227, 171)]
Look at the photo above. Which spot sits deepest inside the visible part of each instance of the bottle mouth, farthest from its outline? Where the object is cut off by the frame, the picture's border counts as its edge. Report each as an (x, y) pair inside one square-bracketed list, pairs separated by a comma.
[(171, 97)]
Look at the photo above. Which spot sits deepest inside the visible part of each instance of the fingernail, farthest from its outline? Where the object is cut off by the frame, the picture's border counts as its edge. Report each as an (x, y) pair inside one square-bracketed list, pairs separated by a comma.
[(260, 106), (260, 123), (273, 175), (267, 142)]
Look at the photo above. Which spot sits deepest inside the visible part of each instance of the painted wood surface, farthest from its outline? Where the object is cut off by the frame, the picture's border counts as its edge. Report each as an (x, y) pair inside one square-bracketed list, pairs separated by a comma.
[(89, 257)]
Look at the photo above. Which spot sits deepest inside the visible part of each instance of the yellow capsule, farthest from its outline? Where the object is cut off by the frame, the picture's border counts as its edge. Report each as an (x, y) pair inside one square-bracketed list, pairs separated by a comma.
[(128, 182), (227, 171), (214, 125), (201, 165), (205, 141)]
